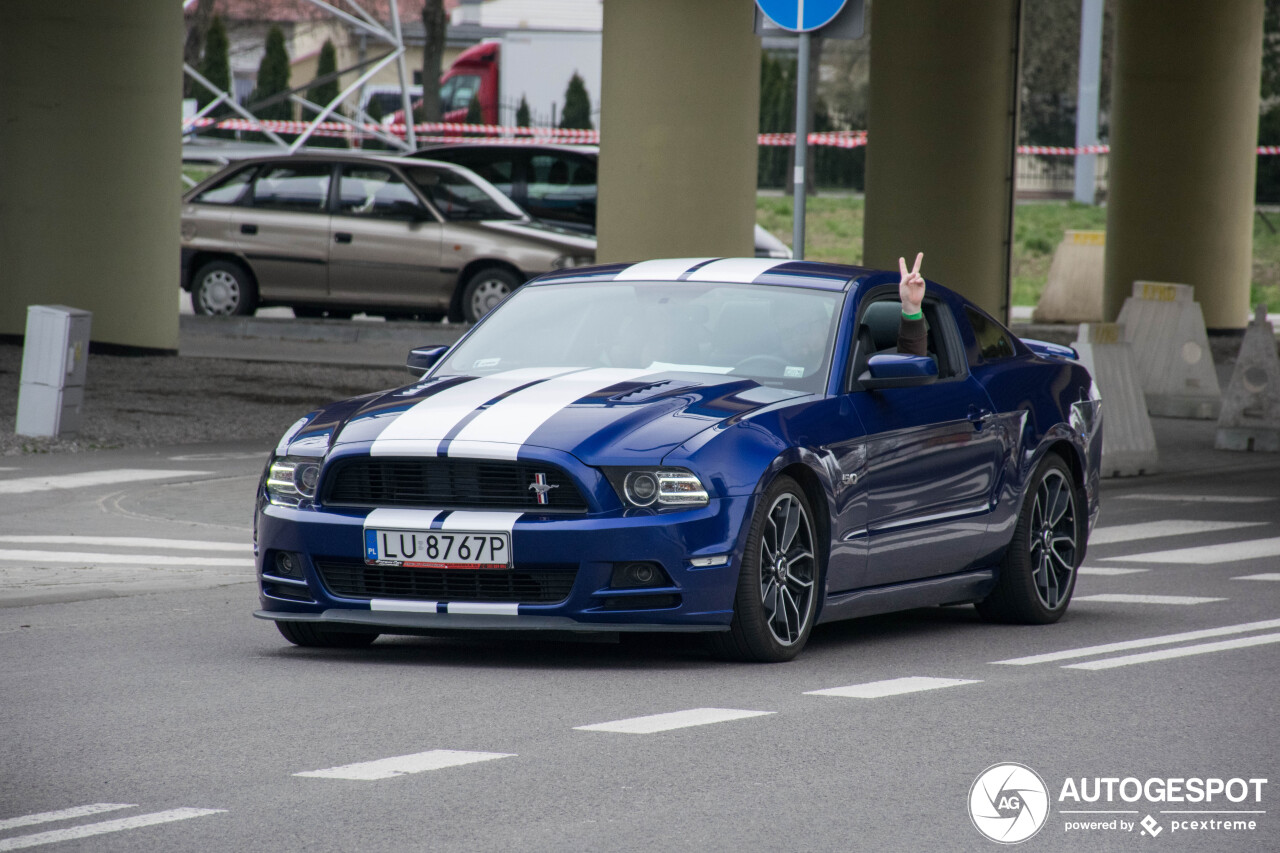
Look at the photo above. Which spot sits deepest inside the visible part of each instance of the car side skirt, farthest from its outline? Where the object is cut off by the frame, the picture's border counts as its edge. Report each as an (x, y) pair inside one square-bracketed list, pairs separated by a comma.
[(930, 592)]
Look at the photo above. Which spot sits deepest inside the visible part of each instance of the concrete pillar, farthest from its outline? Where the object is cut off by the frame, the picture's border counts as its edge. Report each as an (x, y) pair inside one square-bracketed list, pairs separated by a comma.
[(1184, 131), (90, 109), (940, 154), (681, 89)]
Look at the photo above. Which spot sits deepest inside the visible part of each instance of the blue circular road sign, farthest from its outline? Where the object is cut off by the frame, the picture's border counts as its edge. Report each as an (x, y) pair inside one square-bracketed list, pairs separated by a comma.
[(800, 16)]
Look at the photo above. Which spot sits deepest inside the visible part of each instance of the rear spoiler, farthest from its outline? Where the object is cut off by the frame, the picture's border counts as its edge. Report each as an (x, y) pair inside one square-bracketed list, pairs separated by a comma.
[(1046, 348)]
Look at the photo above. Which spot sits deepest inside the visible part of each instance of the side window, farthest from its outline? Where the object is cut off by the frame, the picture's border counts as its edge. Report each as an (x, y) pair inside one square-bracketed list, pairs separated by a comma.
[(299, 187), (464, 89), (375, 191), (877, 332), (562, 187), (228, 190), (993, 341), (496, 166)]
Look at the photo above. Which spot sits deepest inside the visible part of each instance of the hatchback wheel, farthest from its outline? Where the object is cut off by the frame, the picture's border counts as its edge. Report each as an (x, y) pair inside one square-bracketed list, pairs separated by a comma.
[(486, 289), (223, 288)]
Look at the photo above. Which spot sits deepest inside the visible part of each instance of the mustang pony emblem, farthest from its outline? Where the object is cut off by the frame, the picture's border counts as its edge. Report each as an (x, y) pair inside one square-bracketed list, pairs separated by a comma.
[(540, 486)]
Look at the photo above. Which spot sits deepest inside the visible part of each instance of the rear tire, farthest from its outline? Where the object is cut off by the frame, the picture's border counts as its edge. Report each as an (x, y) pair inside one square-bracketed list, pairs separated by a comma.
[(486, 289), (223, 289), (320, 636), (1038, 573)]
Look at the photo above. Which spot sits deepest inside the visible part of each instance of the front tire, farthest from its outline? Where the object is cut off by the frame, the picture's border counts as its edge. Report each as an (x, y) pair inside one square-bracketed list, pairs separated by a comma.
[(223, 289), (777, 597), (320, 636), (1038, 573), (486, 289)]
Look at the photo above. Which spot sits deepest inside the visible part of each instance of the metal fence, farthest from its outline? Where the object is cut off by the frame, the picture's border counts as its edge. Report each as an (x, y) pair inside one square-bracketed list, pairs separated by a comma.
[(1054, 176)]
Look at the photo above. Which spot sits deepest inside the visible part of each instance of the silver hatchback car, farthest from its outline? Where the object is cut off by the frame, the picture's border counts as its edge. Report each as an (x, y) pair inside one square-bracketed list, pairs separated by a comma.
[(341, 233)]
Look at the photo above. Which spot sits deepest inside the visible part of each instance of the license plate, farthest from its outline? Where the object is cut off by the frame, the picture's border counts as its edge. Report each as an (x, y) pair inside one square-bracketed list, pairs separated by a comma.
[(438, 549)]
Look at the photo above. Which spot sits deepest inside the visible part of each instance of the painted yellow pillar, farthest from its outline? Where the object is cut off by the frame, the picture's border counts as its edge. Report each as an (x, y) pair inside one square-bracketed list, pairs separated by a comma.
[(90, 110), (940, 154), (1184, 131), (681, 93)]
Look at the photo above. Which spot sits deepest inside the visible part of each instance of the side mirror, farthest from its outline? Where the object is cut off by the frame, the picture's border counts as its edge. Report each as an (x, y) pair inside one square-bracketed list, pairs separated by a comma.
[(890, 370), (424, 358)]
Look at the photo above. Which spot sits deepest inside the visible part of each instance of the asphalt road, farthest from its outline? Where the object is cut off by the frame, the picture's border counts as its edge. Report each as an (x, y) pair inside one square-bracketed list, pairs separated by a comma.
[(144, 709)]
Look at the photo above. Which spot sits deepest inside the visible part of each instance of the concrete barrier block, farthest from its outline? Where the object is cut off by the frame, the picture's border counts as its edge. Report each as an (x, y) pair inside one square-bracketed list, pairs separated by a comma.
[(1165, 326), (1073, 293), (1128, 442), (1250, 418)]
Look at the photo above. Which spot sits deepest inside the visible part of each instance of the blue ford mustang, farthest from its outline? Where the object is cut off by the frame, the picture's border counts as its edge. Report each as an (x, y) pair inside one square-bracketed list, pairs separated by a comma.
[(730, 446)]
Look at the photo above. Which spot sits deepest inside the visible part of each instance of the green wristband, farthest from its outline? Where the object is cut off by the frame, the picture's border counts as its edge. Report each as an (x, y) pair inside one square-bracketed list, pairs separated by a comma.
[(919, 315)]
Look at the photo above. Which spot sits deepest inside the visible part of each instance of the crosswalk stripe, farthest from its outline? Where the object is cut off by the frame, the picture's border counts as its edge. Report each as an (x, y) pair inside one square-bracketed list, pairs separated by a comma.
[(62, 814), (1145, 642), (1210, 554), (1217, 499), (89, 559), (1124, 598), (91, 829), (22, 485), (891, 687), (673, 720), (129, 542), (1162, 529), (1182, 651), (1107, 571), (401, 765), (1265, 576)]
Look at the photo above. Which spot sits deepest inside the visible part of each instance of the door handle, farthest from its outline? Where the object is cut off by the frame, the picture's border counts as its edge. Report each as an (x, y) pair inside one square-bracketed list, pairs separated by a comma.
[(980, 417), (341, 237), (248, 228)]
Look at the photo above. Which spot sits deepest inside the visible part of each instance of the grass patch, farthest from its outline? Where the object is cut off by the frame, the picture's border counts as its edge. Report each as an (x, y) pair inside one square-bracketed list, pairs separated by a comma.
[(833, 232)]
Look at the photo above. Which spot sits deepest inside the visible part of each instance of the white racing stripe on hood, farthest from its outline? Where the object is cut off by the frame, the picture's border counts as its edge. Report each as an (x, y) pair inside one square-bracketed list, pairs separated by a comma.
[(388, 518), (740, 270), (509, 422), (664, 269), (482, 522), (419, 430)]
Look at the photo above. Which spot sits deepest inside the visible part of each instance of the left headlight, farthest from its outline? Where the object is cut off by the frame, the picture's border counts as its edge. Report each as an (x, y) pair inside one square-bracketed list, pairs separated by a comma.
[(657, 487), (565, 262), (292, 479)]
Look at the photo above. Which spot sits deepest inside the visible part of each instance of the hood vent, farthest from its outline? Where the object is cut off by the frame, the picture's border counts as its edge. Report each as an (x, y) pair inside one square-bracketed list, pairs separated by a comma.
[(644, 393)]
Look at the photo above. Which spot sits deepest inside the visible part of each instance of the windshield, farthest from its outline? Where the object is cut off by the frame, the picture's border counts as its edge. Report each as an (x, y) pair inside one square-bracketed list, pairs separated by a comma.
[(779, 336), (461, 197)]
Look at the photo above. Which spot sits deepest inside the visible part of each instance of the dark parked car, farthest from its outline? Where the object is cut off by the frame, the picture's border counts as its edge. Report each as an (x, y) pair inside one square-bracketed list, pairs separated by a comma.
[(554, 183), (344, 233)]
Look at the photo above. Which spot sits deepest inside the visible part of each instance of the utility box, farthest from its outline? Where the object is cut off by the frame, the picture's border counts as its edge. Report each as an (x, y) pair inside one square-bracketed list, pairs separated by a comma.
[(54, 357)]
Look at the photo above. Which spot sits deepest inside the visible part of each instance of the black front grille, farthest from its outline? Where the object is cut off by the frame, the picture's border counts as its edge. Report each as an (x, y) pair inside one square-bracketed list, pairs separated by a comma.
[(450, 483), (355, 579)]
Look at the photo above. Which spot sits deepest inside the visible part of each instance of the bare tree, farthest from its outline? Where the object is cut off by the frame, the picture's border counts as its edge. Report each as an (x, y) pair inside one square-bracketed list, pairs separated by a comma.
[(434, 22)]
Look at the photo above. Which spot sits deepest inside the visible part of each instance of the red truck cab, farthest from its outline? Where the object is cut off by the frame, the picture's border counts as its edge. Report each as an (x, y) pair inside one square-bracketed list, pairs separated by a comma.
[(474, 74)]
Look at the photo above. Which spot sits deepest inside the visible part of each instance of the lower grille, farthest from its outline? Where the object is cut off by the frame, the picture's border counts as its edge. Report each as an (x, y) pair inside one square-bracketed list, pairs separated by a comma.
[(354, 579)]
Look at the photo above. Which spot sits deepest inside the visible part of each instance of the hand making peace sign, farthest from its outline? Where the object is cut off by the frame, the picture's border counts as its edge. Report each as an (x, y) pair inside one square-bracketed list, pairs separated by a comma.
[(911, 285)]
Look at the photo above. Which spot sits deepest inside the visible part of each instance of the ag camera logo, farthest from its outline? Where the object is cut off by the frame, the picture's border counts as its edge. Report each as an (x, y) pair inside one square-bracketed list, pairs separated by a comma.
[(1008, 803)]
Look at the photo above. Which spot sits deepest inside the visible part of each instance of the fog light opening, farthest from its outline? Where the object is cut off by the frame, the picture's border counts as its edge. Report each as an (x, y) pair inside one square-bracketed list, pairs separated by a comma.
[(638, 575), (288, 564)]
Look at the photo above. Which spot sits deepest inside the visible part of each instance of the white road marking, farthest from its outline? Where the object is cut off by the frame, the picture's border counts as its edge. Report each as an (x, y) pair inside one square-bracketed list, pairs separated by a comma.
[(130, 542), (63, 814), (1124, 598), (91, 559), (1107, 571), (674, 720), (1265, 576), (1161, 529), (891, 687), (1213, 499), (402, 765), (22, 485), (1210, 554), (1184, 651), (1146, 642), (91, 829)]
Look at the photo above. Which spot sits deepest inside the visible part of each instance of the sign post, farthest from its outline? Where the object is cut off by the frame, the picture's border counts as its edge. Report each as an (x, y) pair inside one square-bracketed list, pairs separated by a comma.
[(802, 17)]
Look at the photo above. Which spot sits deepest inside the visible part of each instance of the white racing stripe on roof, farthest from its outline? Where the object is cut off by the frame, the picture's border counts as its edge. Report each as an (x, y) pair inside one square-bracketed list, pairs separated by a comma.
[(512, 420), (419, 431), (743, 270), (663, 269)]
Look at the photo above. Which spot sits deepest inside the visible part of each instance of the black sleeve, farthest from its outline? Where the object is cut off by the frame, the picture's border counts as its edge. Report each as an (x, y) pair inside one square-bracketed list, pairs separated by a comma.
[(911, 337)]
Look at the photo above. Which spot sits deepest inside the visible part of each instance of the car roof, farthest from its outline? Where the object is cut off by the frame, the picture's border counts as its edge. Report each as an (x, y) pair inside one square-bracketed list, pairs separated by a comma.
[(345, 157), (808, 274), (524, 143)]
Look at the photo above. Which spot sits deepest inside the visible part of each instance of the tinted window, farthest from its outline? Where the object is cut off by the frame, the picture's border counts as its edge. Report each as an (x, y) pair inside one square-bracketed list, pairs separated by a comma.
[(457, 197), (494, 165), (993, 341), (302, 187), (458, 92), (562, 187), (226, 191), (374, 191)]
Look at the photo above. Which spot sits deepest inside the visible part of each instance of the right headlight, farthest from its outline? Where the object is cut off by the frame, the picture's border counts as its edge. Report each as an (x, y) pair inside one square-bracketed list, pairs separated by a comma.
[(657, 487), (292, 479)]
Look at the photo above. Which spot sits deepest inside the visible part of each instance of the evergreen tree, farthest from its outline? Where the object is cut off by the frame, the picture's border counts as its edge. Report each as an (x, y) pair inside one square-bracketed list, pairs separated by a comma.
[(522, 113), (323, 93), (215, 66), (273, 78), (577, 106), (474, 113)]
